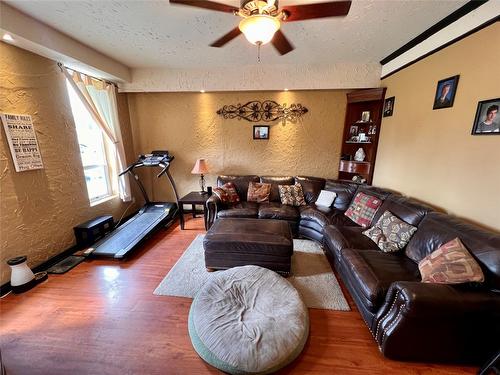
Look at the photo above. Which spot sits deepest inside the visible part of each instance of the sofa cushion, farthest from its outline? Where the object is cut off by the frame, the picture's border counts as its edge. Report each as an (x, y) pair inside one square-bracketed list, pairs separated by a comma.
[(227, 194), (338, 238), (363, 209), (390, 233), (318, 214), (242, 209), (450, 264), (407, 209), (380, 193), (340, 219), (258, 192), (292, 195), (241, 183), (438, 228), (275, 181), (275, 210), (345, 192), (372, 272), (311, 186)]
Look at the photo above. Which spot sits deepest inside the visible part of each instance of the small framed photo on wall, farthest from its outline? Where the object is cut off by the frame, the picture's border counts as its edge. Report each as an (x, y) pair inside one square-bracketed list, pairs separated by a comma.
[(487, 120), (445, 92), (261, 132), (389, 106)]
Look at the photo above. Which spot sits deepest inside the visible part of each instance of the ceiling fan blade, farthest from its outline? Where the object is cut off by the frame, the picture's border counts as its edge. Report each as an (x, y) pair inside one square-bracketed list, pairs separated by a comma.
[(211, 5), (281, 43), (319, 10), (226, 38)]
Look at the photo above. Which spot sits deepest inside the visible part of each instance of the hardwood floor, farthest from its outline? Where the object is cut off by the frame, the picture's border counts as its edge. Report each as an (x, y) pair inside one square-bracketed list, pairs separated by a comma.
[(102, 318)]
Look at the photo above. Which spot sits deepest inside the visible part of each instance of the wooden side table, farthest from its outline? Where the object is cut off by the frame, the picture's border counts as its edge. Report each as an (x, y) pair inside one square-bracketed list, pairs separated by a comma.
[(194, 198)]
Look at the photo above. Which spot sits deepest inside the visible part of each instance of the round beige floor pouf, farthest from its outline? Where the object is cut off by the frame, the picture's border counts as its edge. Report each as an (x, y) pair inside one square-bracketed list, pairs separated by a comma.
[(248, 320)]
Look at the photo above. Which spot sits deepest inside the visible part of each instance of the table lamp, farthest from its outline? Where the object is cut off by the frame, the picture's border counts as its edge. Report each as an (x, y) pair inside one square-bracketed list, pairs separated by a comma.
[(200, 167)]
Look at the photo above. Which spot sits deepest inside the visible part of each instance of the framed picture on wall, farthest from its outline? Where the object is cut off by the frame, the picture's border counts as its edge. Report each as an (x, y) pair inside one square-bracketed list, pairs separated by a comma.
[(487, 120), (445, 92), (260, 132), (389, 106)]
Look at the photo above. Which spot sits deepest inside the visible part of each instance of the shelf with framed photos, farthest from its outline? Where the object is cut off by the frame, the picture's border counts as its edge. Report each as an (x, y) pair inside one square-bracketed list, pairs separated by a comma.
[(361, 131)]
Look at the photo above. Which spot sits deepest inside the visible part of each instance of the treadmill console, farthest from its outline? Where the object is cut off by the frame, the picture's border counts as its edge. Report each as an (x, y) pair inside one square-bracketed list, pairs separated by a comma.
[(155, 158)]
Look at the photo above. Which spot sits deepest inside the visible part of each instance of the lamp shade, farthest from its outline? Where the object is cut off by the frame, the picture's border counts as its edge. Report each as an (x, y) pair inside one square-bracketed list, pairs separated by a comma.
[(259, 28), (200, 167)]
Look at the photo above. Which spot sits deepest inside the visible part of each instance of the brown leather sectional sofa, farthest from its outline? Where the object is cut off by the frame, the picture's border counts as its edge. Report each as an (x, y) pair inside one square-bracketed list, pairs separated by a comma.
[(408, 319)]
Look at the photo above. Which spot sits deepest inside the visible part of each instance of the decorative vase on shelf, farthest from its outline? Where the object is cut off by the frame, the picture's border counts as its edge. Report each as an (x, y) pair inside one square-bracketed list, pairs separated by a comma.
[(360, 155)]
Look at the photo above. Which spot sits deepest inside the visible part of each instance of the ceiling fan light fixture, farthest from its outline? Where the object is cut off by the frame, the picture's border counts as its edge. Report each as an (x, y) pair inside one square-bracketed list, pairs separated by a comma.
[(259, 28)]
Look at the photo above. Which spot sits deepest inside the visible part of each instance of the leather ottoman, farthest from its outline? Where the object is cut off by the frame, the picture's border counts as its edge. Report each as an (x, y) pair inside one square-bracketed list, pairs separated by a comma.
[(240, 242)]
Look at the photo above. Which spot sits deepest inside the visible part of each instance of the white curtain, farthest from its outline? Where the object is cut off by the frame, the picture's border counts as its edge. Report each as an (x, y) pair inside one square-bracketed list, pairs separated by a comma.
[(99, 99)]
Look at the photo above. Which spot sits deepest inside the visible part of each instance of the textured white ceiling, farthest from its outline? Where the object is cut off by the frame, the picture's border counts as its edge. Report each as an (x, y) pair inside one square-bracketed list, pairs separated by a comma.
[(154, 34)]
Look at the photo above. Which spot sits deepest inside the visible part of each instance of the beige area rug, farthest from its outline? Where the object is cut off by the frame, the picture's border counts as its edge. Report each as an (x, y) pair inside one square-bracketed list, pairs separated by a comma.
[(311, 275)]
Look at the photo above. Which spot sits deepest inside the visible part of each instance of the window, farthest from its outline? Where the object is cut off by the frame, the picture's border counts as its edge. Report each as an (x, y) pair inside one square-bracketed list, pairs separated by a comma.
[(93, 150)]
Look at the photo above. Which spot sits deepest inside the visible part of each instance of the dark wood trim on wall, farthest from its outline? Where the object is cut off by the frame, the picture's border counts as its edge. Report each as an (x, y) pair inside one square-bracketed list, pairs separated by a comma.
[(457, 39), (448, 20)]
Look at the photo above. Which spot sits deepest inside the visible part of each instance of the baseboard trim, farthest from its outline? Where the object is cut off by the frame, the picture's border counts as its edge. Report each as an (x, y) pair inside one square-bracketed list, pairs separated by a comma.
[(6, 288)]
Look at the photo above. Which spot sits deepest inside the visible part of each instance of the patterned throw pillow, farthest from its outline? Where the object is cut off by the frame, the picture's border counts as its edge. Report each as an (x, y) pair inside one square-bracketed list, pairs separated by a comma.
[(390, 233), (292, 195), (363, 209), (227, 193), (451, 263), (258, 192)]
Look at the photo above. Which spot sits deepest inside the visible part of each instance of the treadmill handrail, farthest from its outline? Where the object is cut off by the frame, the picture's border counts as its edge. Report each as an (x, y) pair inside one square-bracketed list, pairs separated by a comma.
[(137, 164), (165, 170)]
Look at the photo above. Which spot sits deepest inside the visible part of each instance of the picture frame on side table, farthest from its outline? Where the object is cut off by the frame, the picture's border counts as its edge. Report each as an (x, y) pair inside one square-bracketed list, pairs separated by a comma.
[(445, 92), (261, 132), (487, 120)]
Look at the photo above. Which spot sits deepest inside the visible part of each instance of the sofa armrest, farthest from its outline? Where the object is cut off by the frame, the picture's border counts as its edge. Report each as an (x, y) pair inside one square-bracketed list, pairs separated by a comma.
[(437, 322), (334, 241), (212, 206)]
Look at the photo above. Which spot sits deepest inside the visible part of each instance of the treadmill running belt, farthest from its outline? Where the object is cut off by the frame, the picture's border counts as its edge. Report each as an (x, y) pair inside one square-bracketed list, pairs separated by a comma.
[(129, 234)]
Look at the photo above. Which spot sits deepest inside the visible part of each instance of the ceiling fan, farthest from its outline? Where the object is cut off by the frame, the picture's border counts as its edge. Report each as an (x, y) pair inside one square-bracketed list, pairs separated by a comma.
[(261, 19)]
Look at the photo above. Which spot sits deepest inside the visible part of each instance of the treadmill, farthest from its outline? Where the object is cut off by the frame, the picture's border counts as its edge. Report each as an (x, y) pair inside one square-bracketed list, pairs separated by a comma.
[(151, 216)]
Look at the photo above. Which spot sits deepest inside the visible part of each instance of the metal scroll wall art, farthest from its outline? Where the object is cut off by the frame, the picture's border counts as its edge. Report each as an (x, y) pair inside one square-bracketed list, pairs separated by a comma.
[(268, 110)]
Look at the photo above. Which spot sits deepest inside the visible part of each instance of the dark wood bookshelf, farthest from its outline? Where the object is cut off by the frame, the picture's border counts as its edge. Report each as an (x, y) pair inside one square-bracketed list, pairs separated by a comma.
[(370, 100)]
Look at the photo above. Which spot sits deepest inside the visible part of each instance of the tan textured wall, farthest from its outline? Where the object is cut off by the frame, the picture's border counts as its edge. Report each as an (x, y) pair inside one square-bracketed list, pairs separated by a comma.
[(188, 126), (39, 208), (430, 154)]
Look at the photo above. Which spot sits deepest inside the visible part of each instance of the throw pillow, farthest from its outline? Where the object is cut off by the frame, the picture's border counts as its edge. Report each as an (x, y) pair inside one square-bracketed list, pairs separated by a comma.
[(258, 192), (363, 209), (292, 195), (227, 193), (451, 263), (325, 198), (390, 233)]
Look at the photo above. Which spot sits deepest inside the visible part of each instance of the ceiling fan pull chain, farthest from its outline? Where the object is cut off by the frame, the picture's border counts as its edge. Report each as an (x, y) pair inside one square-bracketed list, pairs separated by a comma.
[(258, 52)]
